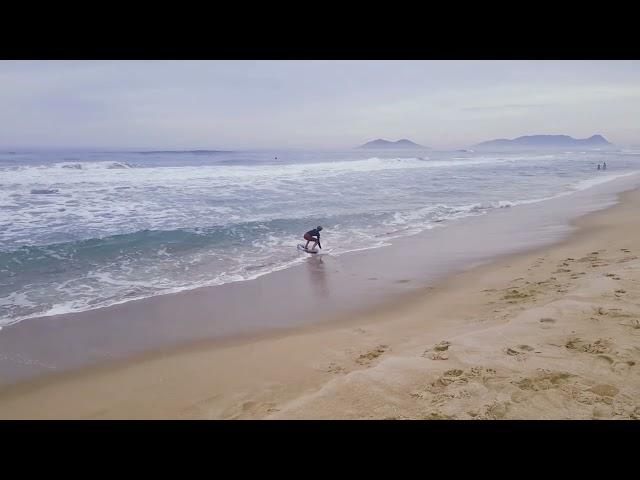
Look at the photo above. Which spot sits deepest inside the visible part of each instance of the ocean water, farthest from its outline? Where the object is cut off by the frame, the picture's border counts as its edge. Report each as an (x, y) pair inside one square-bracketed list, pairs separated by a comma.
[(81, 230)]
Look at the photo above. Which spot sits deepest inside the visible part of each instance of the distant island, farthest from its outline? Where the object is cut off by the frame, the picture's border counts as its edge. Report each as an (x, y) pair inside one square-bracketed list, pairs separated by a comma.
[(547, 141), (379, 144), (194, 152)]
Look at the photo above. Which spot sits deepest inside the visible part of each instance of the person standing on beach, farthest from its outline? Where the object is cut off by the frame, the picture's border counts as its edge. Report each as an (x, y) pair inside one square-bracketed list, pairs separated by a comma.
[(598, 166), (604, 165), (313, 236)]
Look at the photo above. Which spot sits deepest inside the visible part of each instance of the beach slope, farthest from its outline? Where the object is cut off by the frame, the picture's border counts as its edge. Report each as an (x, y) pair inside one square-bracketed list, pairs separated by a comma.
[(553, 333)]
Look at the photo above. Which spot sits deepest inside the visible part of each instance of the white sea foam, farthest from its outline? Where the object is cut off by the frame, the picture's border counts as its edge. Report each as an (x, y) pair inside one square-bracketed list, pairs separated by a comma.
[(103, 172), (154, 230)]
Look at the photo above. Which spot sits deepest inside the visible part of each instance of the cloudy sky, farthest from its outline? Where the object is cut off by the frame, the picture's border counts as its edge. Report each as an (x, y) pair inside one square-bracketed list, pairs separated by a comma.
[(312, 104)]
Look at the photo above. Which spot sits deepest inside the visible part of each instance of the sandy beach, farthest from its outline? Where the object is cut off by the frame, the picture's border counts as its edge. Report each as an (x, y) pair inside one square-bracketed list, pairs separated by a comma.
[(552, 333)]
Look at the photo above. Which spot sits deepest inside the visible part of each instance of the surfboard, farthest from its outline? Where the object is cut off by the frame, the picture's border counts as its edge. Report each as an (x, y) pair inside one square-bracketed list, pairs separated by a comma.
[(322, 251), (301, 248)]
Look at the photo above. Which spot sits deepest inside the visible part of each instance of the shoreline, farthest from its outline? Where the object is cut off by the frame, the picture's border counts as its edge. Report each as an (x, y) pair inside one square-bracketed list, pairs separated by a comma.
[(322, 290), (289, 265), (335, 370)]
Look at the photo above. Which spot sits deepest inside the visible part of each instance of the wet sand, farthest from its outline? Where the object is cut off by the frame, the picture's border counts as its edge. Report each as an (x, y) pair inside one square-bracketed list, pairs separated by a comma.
[(550, 333)]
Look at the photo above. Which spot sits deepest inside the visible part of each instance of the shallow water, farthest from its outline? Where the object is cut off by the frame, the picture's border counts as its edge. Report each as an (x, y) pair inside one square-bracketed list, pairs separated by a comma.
[(80, 230)]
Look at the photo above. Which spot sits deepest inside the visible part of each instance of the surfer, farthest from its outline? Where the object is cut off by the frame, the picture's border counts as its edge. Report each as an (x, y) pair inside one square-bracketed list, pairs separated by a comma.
[(604, 165), (598, 166), (313, 236)]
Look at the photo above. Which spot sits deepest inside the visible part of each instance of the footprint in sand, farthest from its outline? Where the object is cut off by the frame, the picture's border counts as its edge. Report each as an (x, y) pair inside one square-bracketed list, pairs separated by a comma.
[(447, 378), (543, 380), (438, 351), (460, 386), (623, 366), (335, 368), (492, 411), (513, 352), (368, 357), (514, 295), (597, 347), (519, 351), (547, 322), (603, 390), (633, 323), (458, 376), (454, 385), (612, 276), (562, 270), (446, 397), (439, 356), (606, 359), (599, 395), (601, 311), (442, 346), (483, 373)]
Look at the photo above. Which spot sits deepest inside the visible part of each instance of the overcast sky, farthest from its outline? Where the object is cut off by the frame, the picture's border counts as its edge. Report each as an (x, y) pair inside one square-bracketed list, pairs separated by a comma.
[(312, 104)]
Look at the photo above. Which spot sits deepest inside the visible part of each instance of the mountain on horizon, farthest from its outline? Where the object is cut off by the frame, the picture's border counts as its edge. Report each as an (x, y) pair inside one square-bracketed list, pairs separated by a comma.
[(380, 143), (548, 141)]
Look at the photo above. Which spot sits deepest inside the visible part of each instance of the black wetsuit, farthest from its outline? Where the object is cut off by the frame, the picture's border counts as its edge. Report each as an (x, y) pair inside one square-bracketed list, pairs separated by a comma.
[(313, 235)]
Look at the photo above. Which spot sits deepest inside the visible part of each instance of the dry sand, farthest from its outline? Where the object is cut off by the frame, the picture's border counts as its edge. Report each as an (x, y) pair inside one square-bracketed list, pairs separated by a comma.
[(549, 334)]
